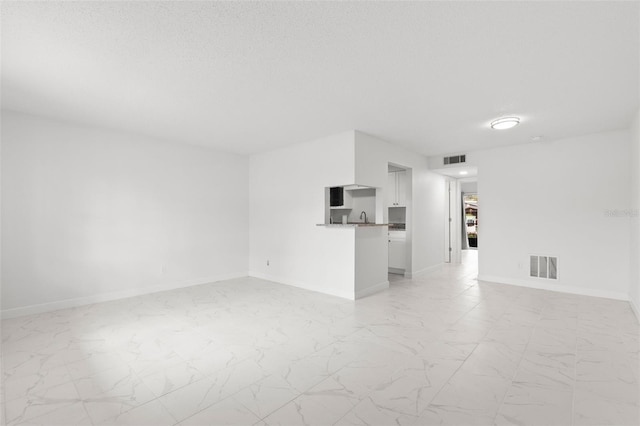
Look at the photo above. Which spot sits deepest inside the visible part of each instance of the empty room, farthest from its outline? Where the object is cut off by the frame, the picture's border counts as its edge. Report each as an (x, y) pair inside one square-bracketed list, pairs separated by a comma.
[(320, 213)]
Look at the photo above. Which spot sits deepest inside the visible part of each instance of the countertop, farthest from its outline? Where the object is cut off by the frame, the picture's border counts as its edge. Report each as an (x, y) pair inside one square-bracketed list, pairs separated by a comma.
[(351, 224)]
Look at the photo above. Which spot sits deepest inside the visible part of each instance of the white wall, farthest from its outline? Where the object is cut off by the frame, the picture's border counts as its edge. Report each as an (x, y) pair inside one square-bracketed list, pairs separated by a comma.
[(371, 255), (287, 202), (468, 187), (634, 284), (560, 192), (425, 209), (363, 200), (2, 393), (90, 215)]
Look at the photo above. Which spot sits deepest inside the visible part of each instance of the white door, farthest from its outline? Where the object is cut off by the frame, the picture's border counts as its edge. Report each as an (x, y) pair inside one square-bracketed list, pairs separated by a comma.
[(449, 207), (453, 217)]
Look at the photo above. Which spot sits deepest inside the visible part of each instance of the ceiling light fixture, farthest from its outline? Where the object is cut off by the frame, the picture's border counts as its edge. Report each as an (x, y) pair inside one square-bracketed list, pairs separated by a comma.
[(504, 123), (464, 172)]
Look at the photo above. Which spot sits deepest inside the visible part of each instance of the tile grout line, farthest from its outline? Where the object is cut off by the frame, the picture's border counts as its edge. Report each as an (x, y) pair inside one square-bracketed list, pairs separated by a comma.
[(462, 363), (75, 385), (339, 340), (3, 403), (515, 372), (575, 370)]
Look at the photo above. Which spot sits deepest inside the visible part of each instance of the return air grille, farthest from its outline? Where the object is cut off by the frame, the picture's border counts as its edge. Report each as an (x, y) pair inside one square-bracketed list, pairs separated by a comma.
[(455, 159), (543, 267)]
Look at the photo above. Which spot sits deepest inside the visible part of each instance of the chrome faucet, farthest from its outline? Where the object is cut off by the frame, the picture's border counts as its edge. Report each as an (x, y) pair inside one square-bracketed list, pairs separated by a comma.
[(365, 216)]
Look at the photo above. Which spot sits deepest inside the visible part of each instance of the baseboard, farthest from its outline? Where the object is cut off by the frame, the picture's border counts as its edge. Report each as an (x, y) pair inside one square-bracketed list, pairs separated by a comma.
[(372, 290), (107, 297), (432, 268), (635, 309), (555, 287), (300, 284)]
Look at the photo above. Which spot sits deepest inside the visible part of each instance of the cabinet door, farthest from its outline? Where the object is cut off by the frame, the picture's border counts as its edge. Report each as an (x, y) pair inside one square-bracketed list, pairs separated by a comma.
[(397, 254), (390, 190), (401, 188)]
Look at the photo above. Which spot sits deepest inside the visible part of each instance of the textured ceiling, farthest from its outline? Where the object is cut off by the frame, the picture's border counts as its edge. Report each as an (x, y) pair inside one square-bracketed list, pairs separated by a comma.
[(248, 77)]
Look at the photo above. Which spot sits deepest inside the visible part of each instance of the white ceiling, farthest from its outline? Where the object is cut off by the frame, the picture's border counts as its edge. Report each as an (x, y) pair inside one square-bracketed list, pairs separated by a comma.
[(248, 77), (458, 172)]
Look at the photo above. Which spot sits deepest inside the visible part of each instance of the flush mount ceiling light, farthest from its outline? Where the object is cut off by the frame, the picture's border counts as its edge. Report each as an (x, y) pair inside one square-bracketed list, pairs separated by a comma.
[(464, 172), (504, 123)]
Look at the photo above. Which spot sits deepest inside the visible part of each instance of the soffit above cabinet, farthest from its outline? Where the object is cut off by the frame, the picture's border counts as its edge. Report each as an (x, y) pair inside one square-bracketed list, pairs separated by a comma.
[(356, 187)]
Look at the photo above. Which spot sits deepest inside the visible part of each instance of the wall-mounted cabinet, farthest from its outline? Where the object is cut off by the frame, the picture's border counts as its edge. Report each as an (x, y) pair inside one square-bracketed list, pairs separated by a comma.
[(339, 198), (396, 189)]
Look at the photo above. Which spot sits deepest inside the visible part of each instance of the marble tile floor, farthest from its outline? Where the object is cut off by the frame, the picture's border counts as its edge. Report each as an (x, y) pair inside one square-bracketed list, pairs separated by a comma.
[(439, 349)]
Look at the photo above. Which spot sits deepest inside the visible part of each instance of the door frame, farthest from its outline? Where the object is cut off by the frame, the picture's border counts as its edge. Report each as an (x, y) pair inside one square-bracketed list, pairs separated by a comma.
[(453, 213)]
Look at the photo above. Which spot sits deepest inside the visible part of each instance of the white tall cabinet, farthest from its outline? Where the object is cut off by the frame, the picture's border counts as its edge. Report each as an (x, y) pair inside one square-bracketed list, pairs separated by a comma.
[(397, 189), (396, 199)]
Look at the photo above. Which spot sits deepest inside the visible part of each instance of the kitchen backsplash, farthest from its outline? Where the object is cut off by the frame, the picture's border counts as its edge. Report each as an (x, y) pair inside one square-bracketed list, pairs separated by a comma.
[(398, 215), (362, 200)]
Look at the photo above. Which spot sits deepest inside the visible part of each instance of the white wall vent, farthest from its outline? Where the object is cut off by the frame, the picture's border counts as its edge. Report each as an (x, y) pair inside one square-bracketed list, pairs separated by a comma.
[(543, 267), (455, 159)]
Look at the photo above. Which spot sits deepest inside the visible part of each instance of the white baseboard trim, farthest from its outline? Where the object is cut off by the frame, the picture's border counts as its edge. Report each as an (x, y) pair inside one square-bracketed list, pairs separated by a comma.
[(432, 268), (115, 295), (635, 309), (300, 284), (554, 287), (372, 290)]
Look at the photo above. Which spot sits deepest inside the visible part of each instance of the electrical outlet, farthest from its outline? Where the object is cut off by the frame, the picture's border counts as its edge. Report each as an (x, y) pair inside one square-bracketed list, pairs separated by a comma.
[(267, 262)]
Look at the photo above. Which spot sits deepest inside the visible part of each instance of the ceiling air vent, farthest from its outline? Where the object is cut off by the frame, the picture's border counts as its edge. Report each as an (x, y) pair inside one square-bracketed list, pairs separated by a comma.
[(455, 159)]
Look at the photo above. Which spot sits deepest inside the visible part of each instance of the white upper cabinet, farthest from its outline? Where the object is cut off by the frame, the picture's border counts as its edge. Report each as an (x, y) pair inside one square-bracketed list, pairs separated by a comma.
[(401, 182), (396, 189), (390, 190)]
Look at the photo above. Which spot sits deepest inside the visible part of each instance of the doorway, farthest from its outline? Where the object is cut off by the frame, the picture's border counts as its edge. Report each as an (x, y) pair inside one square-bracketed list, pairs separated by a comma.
[(460, 180), (470, 231), (470, 221), (397, 213)]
